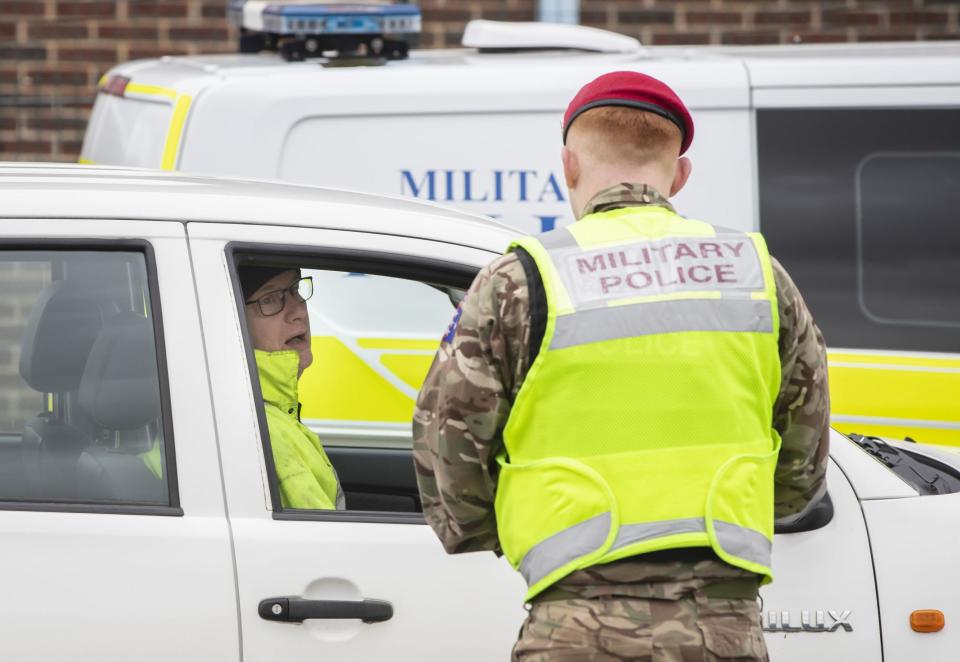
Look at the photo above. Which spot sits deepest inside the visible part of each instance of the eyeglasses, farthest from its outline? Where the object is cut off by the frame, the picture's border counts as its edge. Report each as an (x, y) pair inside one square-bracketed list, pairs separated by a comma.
[(273, 302)]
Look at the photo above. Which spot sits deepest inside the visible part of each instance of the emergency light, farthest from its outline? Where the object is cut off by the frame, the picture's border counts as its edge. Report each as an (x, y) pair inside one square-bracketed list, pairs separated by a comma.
[(303, 29)]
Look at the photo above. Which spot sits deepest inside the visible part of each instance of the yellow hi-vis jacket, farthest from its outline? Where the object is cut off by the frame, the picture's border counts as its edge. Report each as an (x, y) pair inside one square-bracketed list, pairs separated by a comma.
[(305, 475), (645, 421)]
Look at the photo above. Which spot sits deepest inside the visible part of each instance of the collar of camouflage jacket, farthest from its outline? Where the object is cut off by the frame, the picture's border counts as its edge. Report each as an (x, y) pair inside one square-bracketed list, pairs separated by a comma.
[(626, 194)]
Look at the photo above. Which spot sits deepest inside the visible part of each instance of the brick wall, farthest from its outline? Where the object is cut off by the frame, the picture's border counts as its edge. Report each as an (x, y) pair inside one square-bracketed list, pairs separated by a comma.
[(22, 282), (52, 52)]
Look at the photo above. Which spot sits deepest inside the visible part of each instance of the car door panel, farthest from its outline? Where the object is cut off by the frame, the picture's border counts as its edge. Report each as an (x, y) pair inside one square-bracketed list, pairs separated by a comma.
[(334, 556), (120, 578)]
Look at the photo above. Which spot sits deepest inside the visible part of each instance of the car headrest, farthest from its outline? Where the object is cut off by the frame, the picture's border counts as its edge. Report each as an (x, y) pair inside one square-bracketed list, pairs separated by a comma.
[(120, 389), (57, 339)]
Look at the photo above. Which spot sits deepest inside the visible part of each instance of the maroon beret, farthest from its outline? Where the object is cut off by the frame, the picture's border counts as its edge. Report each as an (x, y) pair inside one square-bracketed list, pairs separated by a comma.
[(633, 90)]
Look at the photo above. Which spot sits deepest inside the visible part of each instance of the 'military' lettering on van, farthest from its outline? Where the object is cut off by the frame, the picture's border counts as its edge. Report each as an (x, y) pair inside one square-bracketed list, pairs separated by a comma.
[(520, 185), (689, 264)]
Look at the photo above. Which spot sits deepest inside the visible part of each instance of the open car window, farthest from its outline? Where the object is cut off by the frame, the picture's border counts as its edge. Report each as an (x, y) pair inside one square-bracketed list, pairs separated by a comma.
[(374, 331)]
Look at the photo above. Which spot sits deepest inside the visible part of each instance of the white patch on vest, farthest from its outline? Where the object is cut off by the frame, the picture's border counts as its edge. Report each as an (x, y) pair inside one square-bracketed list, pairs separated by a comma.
[(649, 268)]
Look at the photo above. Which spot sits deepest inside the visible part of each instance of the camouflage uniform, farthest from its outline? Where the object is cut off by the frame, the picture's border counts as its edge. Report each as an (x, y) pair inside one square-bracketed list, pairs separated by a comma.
[(670, 605)]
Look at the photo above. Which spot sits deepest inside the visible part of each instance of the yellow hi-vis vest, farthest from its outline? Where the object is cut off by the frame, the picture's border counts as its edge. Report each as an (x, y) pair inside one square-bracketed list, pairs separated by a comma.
[(645, 422)]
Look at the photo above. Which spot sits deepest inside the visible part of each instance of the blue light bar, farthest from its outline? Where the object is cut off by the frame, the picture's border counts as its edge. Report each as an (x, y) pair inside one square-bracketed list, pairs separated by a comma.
[(341, 19)]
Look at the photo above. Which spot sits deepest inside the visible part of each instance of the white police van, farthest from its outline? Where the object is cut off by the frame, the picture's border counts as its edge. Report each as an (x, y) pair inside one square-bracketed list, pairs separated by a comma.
[(847, 157), (139, 515)]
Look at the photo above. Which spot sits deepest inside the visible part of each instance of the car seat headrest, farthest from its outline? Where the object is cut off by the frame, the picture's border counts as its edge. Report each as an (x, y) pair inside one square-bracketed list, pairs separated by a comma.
[(120, 389), (57, 339)]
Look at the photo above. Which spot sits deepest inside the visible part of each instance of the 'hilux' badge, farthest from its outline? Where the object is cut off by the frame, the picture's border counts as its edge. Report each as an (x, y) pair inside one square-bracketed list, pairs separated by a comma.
[(809, 621)]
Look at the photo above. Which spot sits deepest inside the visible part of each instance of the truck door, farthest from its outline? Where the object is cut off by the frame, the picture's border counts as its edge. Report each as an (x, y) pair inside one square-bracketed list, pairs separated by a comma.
[(379, 549), (111, 512)]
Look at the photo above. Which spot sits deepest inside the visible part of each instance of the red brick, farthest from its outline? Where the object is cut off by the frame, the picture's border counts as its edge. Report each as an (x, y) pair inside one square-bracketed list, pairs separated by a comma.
[(141, 51), (57, 123), (750, 38), (791, 17), (504, 15), (850, 18), (215, 9), (140, 32), (57, 77), (904, 18), (644, 16), (86, 8), (12, 53), (446, 14), (8, 122), (672, 38), (593, 17), (88, 54), (59, 30), (22, 147), (71, 148), (198, 34), (22, 7), (161, 8), (938, 36), (8, 30), (714, 17)]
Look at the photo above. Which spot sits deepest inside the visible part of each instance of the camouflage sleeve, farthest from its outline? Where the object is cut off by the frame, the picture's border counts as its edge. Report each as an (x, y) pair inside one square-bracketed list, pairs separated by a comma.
[(801, 413), (464, 404)]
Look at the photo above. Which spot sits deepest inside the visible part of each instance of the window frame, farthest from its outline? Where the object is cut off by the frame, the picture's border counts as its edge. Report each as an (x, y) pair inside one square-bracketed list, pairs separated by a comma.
[(382, 263), (145, 248)]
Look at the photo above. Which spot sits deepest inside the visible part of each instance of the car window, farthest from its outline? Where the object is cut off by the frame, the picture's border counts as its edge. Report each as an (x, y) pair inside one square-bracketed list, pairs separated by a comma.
[(80, 404), (860, 207), (373, 338)]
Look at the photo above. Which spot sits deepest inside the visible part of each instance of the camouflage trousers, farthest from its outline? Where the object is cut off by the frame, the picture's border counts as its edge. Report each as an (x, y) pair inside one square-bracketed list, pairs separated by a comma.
[(695, 628)]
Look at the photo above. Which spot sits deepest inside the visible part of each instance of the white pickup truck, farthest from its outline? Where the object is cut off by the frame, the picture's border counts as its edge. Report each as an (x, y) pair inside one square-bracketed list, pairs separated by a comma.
[(139, 515)]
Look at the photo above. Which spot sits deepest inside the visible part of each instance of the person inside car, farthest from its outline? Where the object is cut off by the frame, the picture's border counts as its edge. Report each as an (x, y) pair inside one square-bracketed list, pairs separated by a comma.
[(276, 311)]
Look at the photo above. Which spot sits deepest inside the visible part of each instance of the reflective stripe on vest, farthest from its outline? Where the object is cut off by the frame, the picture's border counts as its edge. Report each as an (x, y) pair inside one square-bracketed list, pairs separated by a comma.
[(658, 368), (587, 536)]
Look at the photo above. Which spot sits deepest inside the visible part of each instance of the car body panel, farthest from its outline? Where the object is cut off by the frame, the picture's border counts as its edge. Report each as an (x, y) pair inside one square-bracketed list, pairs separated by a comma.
[(198, 577)]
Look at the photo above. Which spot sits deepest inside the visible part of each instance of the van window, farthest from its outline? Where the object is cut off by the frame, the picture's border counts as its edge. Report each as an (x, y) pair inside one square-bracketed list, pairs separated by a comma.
[(80, 405), (908, 238), (127, 131), (861, 206), (373, 338)]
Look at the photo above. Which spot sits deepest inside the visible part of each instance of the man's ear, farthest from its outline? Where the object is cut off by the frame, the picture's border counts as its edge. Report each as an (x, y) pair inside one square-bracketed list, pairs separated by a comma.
[(571, 167), (682, 174)]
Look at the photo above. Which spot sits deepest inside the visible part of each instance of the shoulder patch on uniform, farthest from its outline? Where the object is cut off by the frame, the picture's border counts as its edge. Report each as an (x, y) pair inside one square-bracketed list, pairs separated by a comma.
[(452, 329)]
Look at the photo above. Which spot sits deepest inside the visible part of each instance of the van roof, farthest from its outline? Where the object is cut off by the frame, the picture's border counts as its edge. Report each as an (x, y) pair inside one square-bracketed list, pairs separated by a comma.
[(777, 65), (67, 191)]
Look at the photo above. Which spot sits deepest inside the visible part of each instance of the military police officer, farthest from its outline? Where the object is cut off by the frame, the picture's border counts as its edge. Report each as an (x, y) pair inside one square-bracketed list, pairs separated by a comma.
[(623, 406)]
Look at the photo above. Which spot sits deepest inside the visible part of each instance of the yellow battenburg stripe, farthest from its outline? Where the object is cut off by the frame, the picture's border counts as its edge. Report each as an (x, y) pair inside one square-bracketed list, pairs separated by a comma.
[(181, 108), (411, 368), (172, 146), (150, 91), (84, 161), (896, 395), (895, 360), (340, 386)]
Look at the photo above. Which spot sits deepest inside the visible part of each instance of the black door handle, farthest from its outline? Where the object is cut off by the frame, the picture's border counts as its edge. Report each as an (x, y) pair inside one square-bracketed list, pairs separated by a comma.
[(292, 609)]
